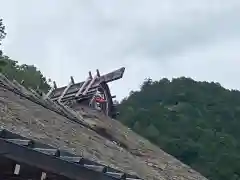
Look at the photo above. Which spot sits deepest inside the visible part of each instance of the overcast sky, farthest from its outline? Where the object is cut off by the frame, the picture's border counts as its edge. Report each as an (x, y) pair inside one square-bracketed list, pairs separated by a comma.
[(151, 38)]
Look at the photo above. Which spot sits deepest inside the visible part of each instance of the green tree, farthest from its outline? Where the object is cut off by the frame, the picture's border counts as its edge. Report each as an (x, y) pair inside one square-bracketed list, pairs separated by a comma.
[(2, 36), (31, 76), (151, 132), (197, 122), (2, 31)]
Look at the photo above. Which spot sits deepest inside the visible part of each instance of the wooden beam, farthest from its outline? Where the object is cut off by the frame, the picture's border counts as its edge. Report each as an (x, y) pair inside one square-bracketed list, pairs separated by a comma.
[(90, 85), (84, 85), (17, 169), (22, 142), (52, 152), (72, 80), (65, 91)]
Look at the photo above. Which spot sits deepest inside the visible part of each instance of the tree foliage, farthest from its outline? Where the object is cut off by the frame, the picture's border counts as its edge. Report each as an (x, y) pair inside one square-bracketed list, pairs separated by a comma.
[(2, 36), (2, 31), (32, 77), (197, 122)]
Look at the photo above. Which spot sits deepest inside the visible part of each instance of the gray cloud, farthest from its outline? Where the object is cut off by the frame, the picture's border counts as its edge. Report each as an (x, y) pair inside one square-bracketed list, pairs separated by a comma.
[(166, 38)]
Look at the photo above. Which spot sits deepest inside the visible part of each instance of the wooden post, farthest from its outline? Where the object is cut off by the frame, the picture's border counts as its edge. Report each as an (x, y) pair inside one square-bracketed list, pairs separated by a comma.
[(17, 169), (98, 73), (44, 176), (72, 80), (90, 74), (54, 85)]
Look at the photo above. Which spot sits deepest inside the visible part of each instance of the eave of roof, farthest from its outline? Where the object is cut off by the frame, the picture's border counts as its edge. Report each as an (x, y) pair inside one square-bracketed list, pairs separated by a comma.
[(49, 159)]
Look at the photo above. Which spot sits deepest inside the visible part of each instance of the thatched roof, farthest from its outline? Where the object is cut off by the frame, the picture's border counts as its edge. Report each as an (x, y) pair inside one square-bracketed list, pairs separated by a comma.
[(90, 134)]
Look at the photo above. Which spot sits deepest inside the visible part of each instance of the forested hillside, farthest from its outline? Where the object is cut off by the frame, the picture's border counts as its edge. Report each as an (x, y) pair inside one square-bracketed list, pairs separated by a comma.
[(197, 122)]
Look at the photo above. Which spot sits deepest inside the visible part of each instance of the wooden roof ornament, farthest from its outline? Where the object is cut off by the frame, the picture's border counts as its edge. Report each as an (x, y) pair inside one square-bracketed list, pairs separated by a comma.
[(82, 93)]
